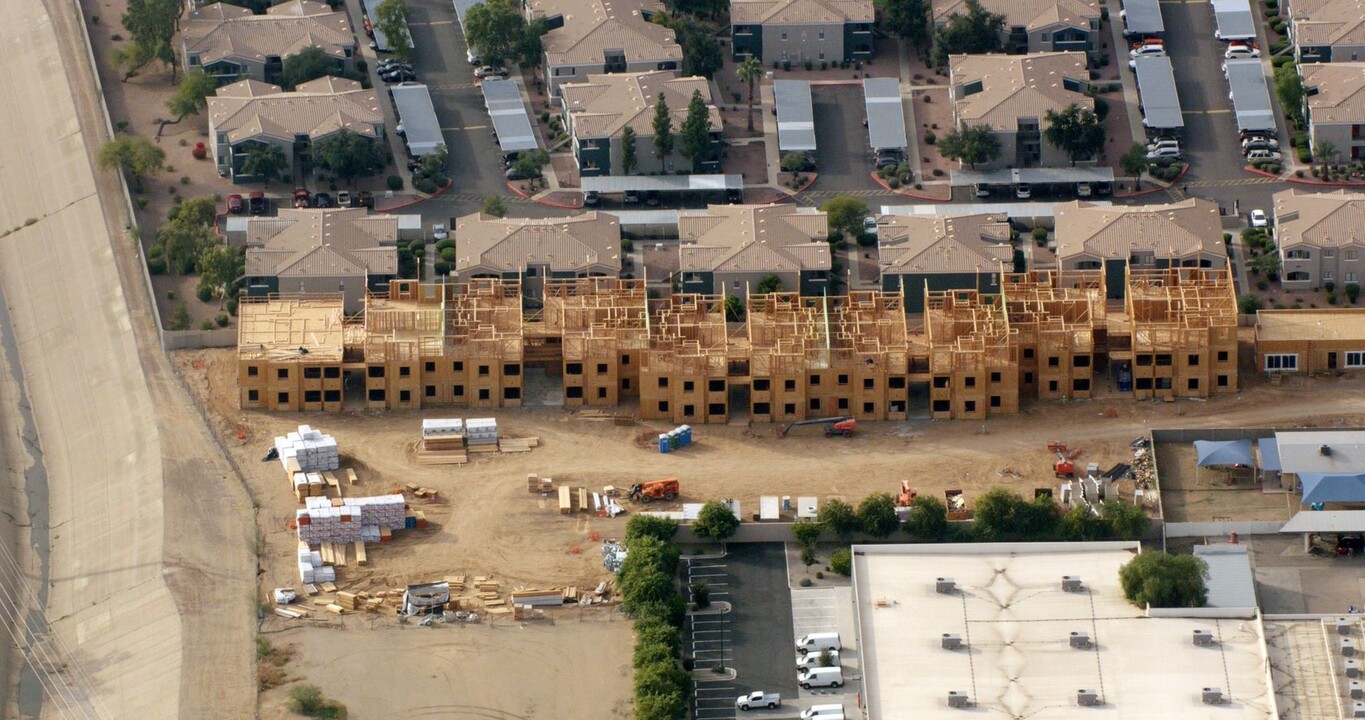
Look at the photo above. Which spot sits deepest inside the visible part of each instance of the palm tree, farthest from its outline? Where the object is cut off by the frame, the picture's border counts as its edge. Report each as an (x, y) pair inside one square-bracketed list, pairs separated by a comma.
[(749, 72)]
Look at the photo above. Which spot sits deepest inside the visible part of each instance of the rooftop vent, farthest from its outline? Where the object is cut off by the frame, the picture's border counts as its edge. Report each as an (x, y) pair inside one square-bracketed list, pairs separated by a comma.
[(1348, 647), (1343, 626), (1356, 688), (1080, 640), (1087, 697), (945, 586), (1358, 709), (1213, 696), (1203, 637), (958, 699), (951, 641), (1324, 450), (1351, 668), (1071, 583)]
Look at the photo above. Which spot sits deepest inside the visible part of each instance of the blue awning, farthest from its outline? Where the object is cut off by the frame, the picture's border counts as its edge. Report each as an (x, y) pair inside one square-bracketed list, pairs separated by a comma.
[(1270, 454), (1325, 488), (1223, 452)]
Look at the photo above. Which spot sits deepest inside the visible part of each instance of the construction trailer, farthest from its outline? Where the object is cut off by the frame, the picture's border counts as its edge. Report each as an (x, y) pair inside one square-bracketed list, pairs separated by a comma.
[(684, 371), (592, 332), (1179, 330), (1059, 324), (973, 358)]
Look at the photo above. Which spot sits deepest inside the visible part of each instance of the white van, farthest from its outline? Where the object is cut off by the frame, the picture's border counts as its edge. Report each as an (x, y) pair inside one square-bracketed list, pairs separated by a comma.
[(816, 642), (821, 677), (812, 659), (823, 712)]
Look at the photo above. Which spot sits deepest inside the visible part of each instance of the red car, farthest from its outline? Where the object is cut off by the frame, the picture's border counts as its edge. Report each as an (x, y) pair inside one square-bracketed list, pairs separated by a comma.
[(236, 205), (301, 198)]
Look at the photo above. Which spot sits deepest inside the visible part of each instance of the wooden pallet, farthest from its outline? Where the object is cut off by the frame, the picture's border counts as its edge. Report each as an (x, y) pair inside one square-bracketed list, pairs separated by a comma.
[(442, 457)]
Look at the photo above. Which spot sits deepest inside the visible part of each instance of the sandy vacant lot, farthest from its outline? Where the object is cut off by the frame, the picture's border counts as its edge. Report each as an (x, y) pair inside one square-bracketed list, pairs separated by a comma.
[(488, 524)]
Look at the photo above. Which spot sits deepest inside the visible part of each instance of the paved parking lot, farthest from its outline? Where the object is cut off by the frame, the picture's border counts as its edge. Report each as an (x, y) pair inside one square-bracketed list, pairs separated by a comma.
[(844, 158)]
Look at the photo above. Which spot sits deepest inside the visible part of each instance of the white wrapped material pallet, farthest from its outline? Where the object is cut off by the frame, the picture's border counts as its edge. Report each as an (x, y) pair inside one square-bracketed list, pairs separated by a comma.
[(481, 431), (320, 525), (313, 451), (440, 428), (380, 510)]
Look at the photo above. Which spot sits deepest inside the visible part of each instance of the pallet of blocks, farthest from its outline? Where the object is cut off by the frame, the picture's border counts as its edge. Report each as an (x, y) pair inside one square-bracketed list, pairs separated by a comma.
[(481, 435), (310, 450), (539, 485), (443, 442), (551, 598)]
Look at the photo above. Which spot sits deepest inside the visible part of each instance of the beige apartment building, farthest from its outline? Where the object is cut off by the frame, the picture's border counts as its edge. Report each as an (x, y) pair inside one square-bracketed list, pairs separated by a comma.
[(730, 249), (1321, 238), (1012, 94), (1327, 30), (592, 37), (230, 43), (938, 252), (600, 108), (800, 31), (1036, 26), (1334, 105), (533, 250)]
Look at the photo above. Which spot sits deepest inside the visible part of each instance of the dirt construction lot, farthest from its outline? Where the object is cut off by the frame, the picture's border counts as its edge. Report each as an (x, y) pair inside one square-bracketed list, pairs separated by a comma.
[(488, 524)]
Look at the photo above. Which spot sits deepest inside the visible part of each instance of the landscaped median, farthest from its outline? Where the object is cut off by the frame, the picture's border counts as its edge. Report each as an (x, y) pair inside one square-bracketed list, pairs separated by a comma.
[(649, 595)]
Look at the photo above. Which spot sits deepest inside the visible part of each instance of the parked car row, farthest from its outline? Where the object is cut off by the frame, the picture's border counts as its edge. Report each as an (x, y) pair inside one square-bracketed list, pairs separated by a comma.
[(1164, 148), (1026, 191), (394, 71), (889, 157), (255, 203), (817, 664)]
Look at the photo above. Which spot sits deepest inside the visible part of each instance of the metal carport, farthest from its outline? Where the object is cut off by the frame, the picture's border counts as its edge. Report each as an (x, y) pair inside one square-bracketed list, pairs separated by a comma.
[(795, 117), (885, 114), (1234, 19), (1157, 94), (421, 130), (1143, 17), (511, 119), (380, 42), (1250, 95)]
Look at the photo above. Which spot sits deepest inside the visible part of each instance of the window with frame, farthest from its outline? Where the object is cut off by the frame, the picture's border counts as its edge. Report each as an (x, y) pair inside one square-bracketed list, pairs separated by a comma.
[(1355, 358), (1282, 362), (1351, 254), (1329, 252), (1350, 277)]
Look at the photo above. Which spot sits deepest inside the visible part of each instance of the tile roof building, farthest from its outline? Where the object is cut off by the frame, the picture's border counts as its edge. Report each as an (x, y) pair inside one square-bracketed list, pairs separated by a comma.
[(1321, 238), (1037, 25), (730, 249), (1327, 30), (967, 252), (322, 251), (252, 112), (1012, 94), (1334, 106), (230, 43), (602, 36), (533, 249), (1184, 234), (598, 110), (802, 30)]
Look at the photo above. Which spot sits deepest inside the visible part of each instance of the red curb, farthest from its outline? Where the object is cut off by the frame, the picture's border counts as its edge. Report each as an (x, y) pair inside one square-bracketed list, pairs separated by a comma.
[(561, 206), (1262, 173), (519, 193), (1320, 183), (896, 191), (439, 192), (803, 188), (1149, 191)]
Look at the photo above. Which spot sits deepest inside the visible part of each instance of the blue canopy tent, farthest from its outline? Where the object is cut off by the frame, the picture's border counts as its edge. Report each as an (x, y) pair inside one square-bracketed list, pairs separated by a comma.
[(1328, 488), (1215, 453)]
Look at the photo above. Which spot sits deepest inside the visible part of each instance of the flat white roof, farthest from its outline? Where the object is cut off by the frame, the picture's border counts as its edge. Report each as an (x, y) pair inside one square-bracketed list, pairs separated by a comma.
[(1016, 622), (1018, 209), (1301, 452), (795, 115), (1250, 96), (885, 113)]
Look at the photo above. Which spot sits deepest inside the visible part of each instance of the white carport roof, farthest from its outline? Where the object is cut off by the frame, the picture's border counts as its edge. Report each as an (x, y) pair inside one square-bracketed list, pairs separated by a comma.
[(1326, 521), (1156, 89), (795, 116), (1234, 18)]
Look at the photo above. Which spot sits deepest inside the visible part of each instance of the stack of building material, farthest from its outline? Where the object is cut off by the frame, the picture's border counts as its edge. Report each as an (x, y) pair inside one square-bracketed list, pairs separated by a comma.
[(329, 524), (613, 554), (308, 484), (311, 567), (536, 484), (442, 442), (348, 601), (310, 450), (537, 597), (481, 434), (379, 510), (515, 445)]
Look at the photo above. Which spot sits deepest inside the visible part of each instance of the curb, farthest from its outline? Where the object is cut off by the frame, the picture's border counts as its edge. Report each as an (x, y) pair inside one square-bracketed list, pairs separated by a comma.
[(519, 193), (1158, 188), (719, 607), (561, 206), (896, 191), (420, 198), (707, 675), (803, 188)]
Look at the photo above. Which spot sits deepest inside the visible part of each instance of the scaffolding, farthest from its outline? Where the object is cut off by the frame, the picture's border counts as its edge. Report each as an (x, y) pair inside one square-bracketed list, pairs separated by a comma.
[(1181, 326), (973, 355), (1060, 321), (684, 368), (596, 330)]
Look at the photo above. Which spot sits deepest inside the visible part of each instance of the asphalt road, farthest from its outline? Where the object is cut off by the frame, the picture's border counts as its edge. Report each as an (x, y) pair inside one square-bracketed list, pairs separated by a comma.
[(764, 654), (843, 157)]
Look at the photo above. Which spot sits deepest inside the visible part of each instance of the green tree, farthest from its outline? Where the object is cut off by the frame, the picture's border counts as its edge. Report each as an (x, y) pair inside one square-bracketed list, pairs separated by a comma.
[(716, 521), (500, 35), (393, 22), (647, 552), (1124, 522), (806, 532), (264, 162), (907, 18), (793, 162), (1248, 303), (702, 54), (151, 26), (970, 144), (661, 679), (644, 586), (137, 158), (1134, 162), (770, 283), (928, 518), (841, 561), (349, 155), (701, 594), (653, 632), (183, 244), (1075, 130), (191, 97), (749, 71), (696, 132), (531, 163), (307, 700), (1267, 263), (1289, 89), (846, 214), (734, 309), (493, 205), (195, 211), (1325, 153), (131, 57), (307, 64), (978, 31), (1159, 580), (220, 267), (838, 517), (650, 526), (877, 515), (628, 160), (663, 132), (1352, 292), (1001, 514), (1081, 524), (659, 706), (180, 317)]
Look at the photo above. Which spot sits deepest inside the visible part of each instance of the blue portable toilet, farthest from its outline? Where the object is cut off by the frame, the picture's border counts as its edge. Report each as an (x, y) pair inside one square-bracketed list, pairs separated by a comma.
[(663, 443), (686, 431), (1125, 378)]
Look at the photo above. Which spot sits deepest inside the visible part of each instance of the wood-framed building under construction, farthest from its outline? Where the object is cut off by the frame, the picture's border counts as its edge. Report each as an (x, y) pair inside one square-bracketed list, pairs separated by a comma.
[(1045, 334)]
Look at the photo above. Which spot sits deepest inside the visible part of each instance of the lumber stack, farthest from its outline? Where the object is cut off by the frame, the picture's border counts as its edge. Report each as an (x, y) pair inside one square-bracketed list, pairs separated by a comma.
[(348, 601), (537, 597), (442, 457), (538, 485), (516, 445)]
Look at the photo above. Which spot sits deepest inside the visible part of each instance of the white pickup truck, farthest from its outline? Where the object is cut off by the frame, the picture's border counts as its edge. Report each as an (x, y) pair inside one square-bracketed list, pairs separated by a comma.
[(758, 698)]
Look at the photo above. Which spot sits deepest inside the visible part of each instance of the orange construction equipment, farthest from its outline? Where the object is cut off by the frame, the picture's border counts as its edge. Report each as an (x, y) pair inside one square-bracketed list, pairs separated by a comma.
[(907, 494), (655, 490), (844, 425), (1064, 467)]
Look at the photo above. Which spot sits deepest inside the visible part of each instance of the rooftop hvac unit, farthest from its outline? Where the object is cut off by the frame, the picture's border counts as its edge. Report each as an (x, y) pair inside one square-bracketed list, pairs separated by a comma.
[(1324, 450), (1343, 626), (1080, 640), (1358, 709), (951, 641), (1087, 697), (1351, 668), (945, 586), (1356, 688), (1203, 637), (1213, 696), (958, 699), (1348, 647), (1071, 583)]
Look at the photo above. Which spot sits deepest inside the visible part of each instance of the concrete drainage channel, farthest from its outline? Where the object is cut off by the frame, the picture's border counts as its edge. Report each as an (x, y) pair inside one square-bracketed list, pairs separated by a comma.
[(710, 643)]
